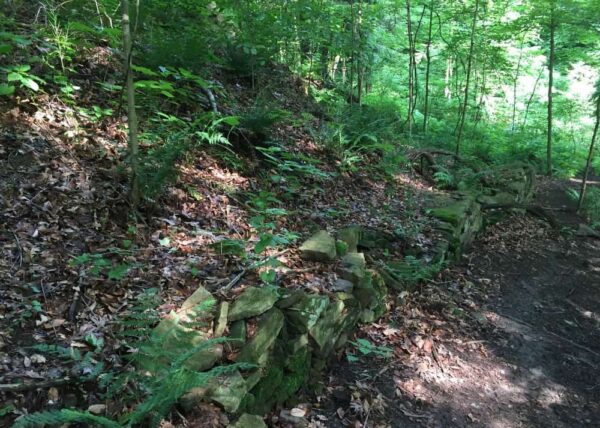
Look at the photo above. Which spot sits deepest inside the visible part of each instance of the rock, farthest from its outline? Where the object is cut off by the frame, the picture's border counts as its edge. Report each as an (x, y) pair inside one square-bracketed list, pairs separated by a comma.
[(201, 297), (228, 390), (268, 329), (350, 235), (371, 293), (352, 267), (221, 324), (355, 260), (289, 298), (342, 285), (304, 314), (205, 358), (586, 231), (338, 317), (289, 419), (320, 248), (253, 302), (249, 421), (237, 333)]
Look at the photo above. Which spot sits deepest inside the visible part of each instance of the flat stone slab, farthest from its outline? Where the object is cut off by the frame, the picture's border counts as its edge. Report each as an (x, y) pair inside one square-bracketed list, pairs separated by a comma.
[(319, 248), (248, 421), (252, 302), (268, 329)]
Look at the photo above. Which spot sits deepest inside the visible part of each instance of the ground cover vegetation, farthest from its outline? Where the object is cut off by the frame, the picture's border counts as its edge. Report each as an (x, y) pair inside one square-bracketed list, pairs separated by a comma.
[(152, 146)]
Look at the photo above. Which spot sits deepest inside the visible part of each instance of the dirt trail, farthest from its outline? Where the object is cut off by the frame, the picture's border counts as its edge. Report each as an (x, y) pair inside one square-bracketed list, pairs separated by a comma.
[(510, 337)]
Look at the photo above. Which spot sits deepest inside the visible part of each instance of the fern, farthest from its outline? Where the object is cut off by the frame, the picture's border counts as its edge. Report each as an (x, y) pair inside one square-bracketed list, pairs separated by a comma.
[(64, 416)]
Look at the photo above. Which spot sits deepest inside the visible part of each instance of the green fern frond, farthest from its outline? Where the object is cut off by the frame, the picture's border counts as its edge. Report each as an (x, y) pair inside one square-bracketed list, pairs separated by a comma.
[(65, 416)]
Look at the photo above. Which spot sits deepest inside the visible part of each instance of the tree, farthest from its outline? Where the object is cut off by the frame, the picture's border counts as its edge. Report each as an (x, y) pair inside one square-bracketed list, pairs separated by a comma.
[(468, 78), (132, 122), (552, 27)]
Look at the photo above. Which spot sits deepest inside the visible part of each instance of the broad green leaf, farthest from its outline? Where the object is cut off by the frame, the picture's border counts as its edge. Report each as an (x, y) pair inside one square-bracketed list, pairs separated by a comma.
[(6, 89), (4, 49), (13, 77), (30, 83)]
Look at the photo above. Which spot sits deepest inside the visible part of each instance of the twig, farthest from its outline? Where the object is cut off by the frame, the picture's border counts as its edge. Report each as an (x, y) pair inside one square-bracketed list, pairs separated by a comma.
[(20, 387), (234, 281), (20, 248)]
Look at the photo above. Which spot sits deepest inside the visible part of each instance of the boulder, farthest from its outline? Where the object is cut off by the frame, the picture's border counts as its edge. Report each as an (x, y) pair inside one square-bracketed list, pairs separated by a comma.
[(320, 247), (253, 302)]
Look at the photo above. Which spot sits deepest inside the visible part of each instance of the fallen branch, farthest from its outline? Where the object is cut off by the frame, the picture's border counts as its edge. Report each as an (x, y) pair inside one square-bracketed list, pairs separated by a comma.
[(534, 210), (22, 387)]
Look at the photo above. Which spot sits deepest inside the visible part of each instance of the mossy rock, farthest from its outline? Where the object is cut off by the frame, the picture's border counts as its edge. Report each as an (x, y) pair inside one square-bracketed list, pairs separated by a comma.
[(264, 394), (319, 248), (351, 236), (248, 421), (454, 214), (237, 333), (228, 390), (340, 315), (176, 339), (256, 350), (304, 314), (371, 293), (253, 302)]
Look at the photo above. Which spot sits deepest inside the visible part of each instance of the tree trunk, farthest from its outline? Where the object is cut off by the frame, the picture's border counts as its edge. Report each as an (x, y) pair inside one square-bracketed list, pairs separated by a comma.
[(427, 68), (469, 65), (589, 159), (411, 65), (132, 123), (515, 82), (531, 98), (550, 87)]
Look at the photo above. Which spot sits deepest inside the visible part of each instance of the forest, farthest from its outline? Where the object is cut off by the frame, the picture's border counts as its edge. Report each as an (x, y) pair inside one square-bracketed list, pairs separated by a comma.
[(299, 213)]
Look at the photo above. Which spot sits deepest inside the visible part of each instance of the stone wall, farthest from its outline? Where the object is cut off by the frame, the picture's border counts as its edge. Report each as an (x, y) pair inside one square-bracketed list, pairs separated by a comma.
[(291, 335)]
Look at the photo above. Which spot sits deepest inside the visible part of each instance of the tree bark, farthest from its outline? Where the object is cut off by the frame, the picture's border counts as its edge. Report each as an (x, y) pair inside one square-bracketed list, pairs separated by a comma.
[(468, 78), (550, 87), (411, 61), (132, 122), (427, 68), (515, 82)]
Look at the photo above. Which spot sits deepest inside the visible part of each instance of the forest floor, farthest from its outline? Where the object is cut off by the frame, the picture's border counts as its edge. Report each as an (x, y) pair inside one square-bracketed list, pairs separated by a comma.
[(509, 337)]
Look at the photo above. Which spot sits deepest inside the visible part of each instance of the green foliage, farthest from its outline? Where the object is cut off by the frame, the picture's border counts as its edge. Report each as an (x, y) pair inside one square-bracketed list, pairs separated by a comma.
[(160, 391), (100, 263), (591, 204), (367, 349)]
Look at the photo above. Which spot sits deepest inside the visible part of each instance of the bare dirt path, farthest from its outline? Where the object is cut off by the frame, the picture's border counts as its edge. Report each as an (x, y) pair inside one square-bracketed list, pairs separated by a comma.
[(509, 337)]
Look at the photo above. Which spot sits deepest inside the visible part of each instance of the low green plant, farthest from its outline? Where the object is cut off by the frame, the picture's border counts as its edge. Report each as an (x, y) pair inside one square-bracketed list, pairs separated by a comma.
[(150, 396), (101, 263), (367, 349), (19, 74)]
